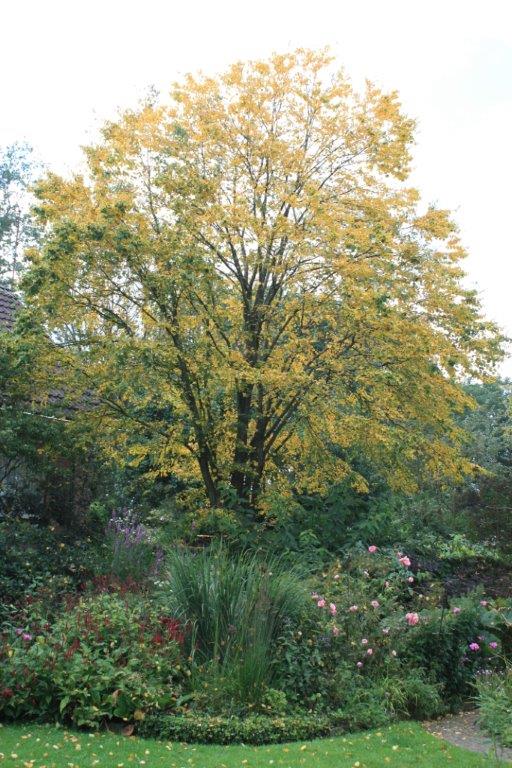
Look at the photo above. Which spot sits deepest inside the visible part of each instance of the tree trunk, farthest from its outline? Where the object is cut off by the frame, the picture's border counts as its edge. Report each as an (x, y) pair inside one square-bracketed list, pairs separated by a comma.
[(209, 482), (238, 479)]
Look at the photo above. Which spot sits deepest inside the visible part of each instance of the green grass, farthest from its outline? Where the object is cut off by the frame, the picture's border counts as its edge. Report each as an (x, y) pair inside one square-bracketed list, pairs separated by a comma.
[(401, 746)]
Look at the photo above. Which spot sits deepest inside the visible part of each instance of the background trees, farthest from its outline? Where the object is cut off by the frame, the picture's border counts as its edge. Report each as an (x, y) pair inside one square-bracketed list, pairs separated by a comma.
[(41, 458), (17, 227), (246, 282), (486, 497)]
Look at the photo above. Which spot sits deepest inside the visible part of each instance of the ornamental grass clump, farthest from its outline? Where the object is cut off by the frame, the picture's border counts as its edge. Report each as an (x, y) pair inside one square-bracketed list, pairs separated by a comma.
[(494, 699), (236, 608)]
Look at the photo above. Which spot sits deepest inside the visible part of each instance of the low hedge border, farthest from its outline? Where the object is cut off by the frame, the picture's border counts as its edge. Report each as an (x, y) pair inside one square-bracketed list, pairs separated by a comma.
[(255, 729)]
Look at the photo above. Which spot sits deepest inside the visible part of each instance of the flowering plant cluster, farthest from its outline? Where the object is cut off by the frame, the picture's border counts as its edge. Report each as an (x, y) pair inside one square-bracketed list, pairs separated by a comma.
[(367, 605), (128, 531), (133, 552), (381, 616), (107, 658)]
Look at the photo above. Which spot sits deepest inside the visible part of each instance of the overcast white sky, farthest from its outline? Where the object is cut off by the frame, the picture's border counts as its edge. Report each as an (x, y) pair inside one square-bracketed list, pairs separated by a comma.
[(68, 64)]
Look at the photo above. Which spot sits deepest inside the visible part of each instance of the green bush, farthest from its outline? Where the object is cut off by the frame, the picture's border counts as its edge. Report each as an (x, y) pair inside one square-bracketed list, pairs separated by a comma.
[(357, 620), (107, 658), (300, 666), (441, 646), (38, 562), (409, 694), (377, 625), (254, 729)]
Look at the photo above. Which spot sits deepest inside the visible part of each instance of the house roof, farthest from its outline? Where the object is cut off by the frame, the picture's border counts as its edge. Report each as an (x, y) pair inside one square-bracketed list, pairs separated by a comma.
[(8, 305)]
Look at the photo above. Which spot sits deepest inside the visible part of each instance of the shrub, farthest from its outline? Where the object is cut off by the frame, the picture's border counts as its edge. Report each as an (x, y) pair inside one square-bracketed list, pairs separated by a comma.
[(408, 694), (39, 563), (300, 665), (107, 658), (370, 630), (358, 617), (451, 647), (254, 729)]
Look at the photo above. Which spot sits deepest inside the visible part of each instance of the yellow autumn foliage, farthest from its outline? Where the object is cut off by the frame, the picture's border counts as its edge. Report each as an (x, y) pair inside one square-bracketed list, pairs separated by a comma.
[(248, 285)]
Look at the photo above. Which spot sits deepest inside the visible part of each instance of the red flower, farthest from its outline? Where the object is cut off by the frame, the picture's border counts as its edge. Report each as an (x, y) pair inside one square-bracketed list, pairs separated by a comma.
[(174, 629)]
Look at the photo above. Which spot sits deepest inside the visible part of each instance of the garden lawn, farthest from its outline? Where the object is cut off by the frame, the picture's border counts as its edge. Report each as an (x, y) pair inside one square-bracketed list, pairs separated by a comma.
[(400, 746)]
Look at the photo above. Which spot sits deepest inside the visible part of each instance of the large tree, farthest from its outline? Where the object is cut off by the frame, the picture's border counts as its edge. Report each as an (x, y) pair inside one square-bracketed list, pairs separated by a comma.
[(244, 278)]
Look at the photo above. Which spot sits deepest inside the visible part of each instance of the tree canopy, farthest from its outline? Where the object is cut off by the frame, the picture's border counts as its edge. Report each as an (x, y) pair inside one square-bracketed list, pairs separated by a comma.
[(249, 285)]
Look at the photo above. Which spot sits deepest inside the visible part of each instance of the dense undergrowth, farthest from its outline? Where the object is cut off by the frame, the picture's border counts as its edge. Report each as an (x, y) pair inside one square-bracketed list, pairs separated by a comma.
[(222, 645)]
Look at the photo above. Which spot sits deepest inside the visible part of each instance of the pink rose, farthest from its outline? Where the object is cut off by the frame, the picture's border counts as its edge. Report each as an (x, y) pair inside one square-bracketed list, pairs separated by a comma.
[(321, 603), (353, 608), (404, 560), (364, 641), (359, 664), (412, 619), (369, 652), (484, 603), (474, 647), (410, 579), (456, 610), (375, 603), (332, 609), (372, 549)]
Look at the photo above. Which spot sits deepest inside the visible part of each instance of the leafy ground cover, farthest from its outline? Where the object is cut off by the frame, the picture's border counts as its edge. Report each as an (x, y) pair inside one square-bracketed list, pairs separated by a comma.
[(399, 746)]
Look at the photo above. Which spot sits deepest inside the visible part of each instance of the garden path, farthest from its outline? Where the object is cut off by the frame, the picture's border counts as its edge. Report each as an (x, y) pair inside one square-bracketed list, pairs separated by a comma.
[(462, 729)]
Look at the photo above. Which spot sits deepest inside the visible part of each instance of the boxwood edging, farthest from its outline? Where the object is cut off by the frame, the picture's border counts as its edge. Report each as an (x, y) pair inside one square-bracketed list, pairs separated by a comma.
[(255, 729)]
